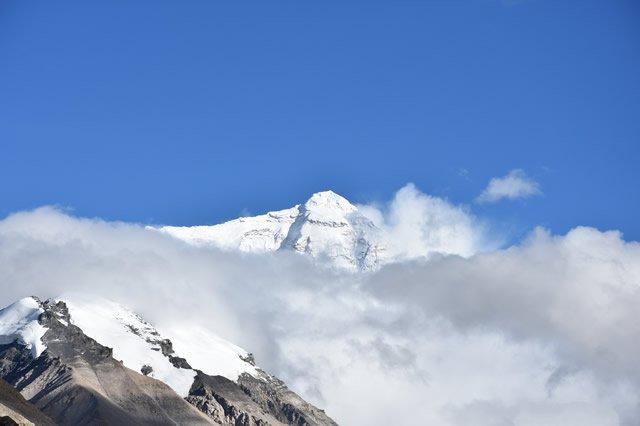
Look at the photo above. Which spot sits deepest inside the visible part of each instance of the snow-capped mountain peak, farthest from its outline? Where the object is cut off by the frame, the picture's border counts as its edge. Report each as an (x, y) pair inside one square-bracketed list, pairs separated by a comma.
[(328, 206), (327, 227)]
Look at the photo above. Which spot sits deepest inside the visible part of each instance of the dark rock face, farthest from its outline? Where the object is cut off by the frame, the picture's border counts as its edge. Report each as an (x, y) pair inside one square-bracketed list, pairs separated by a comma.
[(252, 401), (273, 396), (14, 409), (166, 347), (249, 358), (226, 403), (7, 421)]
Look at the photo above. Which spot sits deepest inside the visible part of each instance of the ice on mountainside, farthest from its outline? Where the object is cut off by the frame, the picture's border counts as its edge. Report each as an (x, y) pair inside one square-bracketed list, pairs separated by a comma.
[(251, 234), (327, 227), (137, 344), (19, 322)]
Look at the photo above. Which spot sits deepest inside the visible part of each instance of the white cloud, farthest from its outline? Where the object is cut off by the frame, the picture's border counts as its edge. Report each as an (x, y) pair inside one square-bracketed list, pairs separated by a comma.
[(544, 332), (417, 225), (516, 184)]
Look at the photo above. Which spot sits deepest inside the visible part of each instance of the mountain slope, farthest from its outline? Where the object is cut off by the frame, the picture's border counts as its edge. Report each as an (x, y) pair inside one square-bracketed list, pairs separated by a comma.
[(327, 227), (75, 378), (19, 410), (143, 348)]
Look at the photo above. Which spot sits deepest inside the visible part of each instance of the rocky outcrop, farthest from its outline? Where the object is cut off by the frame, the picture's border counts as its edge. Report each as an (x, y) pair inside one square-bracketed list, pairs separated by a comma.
[(253, 401), (227, 403), (273, 397)]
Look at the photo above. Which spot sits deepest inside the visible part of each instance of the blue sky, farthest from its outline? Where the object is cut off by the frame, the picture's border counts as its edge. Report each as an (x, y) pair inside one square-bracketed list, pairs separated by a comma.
[(169, 112)]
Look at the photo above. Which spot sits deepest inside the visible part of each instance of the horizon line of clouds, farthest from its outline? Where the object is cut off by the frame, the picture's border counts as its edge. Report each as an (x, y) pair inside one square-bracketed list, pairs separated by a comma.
[(451, 338), (540, 331)]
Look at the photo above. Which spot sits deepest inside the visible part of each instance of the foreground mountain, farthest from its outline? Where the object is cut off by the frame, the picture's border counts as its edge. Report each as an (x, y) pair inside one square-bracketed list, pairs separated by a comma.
[(91, 361), (327, 227)]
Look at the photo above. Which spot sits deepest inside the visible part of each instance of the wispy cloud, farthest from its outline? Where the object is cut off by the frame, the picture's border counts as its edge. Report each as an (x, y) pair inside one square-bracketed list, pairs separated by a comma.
[(516, 184)]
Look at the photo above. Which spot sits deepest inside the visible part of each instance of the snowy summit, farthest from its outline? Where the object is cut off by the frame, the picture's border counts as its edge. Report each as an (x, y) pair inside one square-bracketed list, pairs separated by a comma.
[(327, 227)]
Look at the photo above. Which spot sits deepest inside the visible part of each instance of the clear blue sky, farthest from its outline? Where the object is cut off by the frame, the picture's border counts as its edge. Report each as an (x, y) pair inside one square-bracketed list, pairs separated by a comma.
[(191, 112)]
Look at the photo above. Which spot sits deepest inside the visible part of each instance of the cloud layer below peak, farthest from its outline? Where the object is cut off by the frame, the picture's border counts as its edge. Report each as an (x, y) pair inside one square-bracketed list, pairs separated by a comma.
[(543, 332)]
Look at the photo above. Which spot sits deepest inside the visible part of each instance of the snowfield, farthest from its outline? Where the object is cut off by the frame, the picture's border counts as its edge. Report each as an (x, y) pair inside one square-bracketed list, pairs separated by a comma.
[(137, 343), (134, 341), (327, 227), (19, 321)]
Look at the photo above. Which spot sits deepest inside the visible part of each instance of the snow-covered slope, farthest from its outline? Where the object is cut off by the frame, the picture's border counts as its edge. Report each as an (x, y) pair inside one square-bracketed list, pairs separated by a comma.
[(251, 234), (139, 345), (143, 348), (327, 227), (19, 322)]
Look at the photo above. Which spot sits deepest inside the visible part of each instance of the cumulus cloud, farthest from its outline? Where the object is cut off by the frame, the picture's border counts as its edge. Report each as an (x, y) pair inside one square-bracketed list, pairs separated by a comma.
[(516, 184), (417, 225), (544, 332)]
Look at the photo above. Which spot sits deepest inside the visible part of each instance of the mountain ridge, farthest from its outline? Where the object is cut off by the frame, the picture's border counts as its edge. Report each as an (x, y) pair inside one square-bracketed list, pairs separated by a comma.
[(75, 378)]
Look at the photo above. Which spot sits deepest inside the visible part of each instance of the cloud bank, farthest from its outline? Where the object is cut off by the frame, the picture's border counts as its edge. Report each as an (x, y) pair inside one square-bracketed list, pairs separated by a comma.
[(544, 332), (516, 184)]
